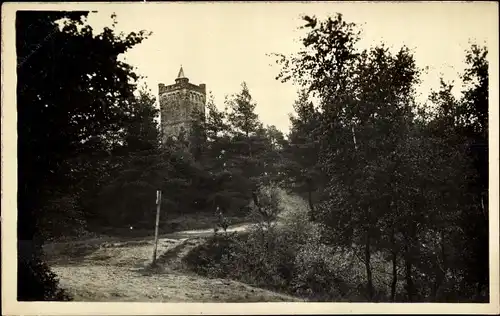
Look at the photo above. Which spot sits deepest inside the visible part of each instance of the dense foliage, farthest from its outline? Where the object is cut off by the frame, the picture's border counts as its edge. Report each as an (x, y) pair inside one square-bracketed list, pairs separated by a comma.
[(405, 179), (74, 98), (395, 191)]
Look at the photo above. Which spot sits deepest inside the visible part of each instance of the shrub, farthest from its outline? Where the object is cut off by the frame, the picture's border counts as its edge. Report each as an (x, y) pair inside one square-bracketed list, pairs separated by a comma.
[(268, 257), (62, 218), (269, 206), (213, 258), (326, 273), (289, 257), (35, 282)]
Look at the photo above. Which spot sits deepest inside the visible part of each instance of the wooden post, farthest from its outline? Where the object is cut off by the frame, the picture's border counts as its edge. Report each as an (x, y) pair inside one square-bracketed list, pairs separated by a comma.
[(158, 205), (354, 138)]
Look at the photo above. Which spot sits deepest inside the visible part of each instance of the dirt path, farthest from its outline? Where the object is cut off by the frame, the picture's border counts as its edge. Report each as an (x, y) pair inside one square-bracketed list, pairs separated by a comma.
[(119, 271), (112, 283), (53, 246)]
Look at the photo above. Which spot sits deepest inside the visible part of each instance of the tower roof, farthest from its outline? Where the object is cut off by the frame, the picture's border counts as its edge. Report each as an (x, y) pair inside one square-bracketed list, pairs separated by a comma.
[(181, 74)]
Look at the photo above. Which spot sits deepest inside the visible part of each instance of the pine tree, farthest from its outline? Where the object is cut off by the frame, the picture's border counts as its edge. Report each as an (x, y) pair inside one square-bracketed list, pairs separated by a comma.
[(247, 145)]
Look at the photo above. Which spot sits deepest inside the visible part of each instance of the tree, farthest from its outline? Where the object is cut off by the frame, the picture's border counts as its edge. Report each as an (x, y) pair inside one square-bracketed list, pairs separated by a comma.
[(247, 143), (474, 119), (125, 196), (222, 184), (198, 135), (462, 125), (365, 107), (236, 154), (141, 133), (73, 97), (404, 179), (303, 168), (274, 156)]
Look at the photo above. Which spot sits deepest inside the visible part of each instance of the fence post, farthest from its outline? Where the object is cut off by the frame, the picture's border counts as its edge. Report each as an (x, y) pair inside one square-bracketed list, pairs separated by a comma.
[(158, 205)]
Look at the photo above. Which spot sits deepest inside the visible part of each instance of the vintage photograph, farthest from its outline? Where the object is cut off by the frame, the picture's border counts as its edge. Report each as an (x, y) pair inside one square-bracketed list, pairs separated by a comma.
[(254, 152)]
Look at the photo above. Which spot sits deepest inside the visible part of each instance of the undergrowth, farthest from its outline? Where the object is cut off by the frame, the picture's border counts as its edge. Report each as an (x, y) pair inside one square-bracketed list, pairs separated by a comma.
[(288, 257)]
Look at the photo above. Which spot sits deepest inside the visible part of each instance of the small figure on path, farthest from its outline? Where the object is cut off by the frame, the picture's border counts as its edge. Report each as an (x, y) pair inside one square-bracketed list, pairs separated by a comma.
[(223, 222)]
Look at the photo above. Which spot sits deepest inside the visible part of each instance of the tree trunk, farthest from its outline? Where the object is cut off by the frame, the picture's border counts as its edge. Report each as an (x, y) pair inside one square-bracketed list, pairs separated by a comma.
[(369, 280), (256, 200), (394, 266), (479, 289), (311, 205), (441, 270), (443, 252), (483, 275), (483, 209), (410, 288), (354, 138)]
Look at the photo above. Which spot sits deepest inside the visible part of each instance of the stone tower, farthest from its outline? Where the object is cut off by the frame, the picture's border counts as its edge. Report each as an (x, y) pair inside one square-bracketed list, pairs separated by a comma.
[(177, 103)]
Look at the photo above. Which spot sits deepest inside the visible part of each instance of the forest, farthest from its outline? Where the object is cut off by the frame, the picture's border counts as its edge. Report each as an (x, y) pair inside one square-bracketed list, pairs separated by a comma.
[(396, 189)]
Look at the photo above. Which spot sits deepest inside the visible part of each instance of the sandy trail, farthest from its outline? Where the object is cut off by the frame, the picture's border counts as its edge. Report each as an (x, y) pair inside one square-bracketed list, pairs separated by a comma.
[(112, 283), (118, 271), (50, 247)]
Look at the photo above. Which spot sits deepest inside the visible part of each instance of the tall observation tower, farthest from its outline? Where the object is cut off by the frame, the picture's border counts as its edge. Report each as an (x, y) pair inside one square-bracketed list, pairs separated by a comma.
[(177, 103)]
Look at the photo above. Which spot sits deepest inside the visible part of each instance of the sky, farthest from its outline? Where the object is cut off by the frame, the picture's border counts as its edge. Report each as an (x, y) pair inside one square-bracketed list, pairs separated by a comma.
[(224, 44)]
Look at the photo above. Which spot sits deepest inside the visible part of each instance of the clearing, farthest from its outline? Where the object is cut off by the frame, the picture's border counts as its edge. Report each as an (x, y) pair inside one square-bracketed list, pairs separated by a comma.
[(111, 270)]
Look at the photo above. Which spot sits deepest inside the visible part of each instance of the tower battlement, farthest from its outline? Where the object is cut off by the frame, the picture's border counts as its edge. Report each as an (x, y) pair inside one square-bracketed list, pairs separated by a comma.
[(183, 85), (178, 101)]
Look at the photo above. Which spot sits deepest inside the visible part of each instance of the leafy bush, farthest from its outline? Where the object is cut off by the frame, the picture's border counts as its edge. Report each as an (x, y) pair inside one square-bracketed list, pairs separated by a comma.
[(37, 283), (324, 274), (290, 257), (285, 257), (214, 258)]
